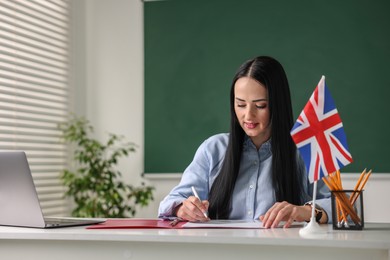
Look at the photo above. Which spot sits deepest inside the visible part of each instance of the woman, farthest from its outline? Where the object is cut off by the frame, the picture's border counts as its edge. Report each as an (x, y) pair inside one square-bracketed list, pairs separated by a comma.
[(254, 171)]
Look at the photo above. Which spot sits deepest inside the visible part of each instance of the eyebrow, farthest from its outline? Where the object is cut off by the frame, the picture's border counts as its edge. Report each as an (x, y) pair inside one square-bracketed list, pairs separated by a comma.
[(256, 100)]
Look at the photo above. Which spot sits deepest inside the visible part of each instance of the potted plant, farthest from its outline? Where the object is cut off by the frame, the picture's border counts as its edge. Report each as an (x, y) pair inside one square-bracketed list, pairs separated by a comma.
[(95, 185)]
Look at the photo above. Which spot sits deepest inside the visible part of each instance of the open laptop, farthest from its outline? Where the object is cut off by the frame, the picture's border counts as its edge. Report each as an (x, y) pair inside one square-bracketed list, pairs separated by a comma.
[(19, 203)]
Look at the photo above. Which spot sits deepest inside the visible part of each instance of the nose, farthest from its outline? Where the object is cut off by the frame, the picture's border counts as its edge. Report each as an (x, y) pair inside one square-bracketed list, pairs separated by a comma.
[(250, 113)]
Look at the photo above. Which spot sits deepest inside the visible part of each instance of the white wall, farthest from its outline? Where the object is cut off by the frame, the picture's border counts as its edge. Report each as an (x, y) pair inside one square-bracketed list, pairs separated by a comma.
[(108, 74), (109, 88), (108, 80), (114, 62)]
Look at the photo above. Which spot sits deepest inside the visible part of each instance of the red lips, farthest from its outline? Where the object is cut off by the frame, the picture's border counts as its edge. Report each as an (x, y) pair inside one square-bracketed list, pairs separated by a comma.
[(250, 125)]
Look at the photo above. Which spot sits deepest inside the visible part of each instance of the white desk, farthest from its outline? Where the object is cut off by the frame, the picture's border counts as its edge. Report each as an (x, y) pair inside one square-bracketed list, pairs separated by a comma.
[(80, 243)]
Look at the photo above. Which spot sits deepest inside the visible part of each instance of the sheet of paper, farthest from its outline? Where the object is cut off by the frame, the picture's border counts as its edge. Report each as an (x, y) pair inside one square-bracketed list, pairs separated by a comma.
[(224, 224), (232, 224)]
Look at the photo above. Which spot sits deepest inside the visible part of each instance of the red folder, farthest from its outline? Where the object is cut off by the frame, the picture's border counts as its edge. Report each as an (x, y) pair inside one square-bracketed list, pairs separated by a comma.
[(135, 223), (159, 223)]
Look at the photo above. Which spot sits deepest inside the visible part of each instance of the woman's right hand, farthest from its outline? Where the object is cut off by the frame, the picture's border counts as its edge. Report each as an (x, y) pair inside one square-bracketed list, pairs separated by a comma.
[(193, 210)]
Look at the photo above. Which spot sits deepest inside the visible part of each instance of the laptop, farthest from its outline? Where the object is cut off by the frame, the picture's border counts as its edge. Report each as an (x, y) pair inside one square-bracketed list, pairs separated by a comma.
[(19, 203)]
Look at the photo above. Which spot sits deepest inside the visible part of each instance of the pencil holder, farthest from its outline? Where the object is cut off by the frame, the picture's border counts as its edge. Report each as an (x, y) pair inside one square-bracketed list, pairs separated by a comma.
[(347, 209)]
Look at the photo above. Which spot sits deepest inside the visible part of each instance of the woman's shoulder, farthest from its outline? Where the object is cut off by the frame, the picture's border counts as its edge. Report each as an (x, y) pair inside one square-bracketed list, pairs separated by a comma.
[(215, 145), (221, 139)]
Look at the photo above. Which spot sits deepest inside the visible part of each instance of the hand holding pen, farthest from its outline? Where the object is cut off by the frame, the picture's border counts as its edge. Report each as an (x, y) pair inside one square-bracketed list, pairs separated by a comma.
[(197, 196), (193, 209)]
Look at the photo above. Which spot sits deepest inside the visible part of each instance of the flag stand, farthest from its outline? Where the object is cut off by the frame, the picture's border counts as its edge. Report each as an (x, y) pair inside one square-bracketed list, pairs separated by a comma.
[(314, 131), (312, 228)]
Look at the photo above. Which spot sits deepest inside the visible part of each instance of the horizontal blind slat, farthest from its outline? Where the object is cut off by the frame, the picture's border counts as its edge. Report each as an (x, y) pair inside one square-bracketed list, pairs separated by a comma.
[(33, 155), (7, 131), (50, 198), (54, 106), (45, 176), (28, 148), (27, 141), (29, 126), (35, 112), (47, 163), (45, 171)]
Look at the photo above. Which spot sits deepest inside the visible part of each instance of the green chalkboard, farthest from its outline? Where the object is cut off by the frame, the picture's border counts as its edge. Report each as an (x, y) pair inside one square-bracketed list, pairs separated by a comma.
[(193, 48)]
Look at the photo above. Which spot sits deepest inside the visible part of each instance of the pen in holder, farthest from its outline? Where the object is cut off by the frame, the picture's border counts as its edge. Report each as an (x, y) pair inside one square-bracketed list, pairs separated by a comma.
[(347, 209)]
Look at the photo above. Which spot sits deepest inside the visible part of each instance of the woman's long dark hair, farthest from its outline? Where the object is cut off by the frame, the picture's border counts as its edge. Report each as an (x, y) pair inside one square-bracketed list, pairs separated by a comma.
[(285, 176)]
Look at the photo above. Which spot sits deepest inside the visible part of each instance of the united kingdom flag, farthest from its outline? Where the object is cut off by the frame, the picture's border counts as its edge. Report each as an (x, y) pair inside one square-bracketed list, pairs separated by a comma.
[(319, 135)]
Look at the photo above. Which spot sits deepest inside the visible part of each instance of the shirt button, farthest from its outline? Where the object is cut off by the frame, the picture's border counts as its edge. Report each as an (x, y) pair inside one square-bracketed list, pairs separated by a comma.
[(254, 162), (250, 186), (249, 212)]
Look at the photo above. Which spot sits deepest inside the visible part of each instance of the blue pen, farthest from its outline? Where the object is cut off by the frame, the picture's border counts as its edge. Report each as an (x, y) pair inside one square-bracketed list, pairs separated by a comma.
[(197, 196)]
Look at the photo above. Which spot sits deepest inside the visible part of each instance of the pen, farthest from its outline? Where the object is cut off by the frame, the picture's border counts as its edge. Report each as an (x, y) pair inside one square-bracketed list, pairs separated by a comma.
[(197, 196)]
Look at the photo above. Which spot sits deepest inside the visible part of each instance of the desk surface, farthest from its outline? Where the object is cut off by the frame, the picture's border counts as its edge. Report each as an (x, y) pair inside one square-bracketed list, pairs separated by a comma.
[(373, 236), (192, 244)]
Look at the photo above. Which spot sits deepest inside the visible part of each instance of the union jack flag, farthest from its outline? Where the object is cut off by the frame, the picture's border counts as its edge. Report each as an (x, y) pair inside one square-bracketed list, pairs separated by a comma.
[(319, 135)]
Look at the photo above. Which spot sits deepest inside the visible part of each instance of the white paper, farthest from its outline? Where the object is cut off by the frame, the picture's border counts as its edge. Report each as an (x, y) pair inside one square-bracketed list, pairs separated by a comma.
[(232, 224)]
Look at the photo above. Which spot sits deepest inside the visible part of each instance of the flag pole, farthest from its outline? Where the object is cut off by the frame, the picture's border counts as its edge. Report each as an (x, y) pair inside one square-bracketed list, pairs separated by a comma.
[(312, 228), (314, 202)]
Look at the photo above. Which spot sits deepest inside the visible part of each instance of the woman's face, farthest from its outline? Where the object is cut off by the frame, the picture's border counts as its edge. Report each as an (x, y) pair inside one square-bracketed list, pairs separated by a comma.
[(252, 111)]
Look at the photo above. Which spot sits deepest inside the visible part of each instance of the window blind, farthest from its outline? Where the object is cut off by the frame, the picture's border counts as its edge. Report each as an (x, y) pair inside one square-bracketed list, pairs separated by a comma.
[(34, 90)]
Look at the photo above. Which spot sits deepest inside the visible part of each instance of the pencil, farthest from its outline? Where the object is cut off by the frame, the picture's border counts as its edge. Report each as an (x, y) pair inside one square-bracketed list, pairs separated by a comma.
[(357, 185), (356, 195)]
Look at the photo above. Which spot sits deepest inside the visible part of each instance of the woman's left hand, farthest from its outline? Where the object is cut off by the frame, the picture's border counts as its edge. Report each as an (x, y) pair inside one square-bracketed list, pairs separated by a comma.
[(284, 211)]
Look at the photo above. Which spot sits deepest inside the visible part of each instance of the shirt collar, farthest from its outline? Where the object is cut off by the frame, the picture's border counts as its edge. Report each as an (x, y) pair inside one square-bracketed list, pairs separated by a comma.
[(265, 148)]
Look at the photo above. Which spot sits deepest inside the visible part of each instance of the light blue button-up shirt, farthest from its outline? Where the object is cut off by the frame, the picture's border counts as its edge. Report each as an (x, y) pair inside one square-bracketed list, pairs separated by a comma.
[(253, 193)]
